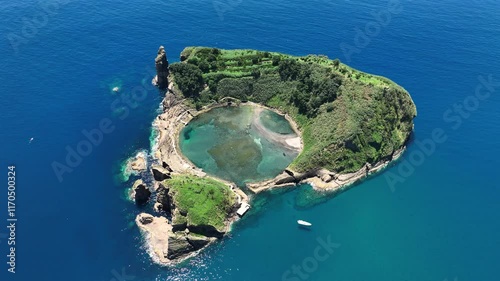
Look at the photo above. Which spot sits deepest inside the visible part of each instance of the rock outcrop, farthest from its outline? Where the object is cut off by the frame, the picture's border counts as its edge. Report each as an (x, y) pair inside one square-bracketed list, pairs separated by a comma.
[(161, 63), (164, 243), (162, 198), (138, 163), (140, 192), (160, 173), (206, 230), (178, 245), (198, 241), (181, 244), (157, 231)]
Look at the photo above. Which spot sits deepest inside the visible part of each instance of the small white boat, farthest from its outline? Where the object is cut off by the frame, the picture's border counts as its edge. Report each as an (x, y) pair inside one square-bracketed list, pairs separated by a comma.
[(304, 223)]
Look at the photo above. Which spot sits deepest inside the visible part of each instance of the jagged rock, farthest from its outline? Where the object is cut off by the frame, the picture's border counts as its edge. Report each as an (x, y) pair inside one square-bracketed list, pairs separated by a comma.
[(163, 198), (145, 218), (166, 166), (138, 163), (179, 221), (326, 178), (197, 241), (178, 245), (179, 226), (157, 207), (157, 231), (160, 173), (285, 178), (324, 175), (206, 230), (161, 63), (140, 192)]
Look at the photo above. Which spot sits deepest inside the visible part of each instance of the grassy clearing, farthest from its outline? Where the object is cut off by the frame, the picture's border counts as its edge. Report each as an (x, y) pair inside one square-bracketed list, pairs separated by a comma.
[(206, 201)]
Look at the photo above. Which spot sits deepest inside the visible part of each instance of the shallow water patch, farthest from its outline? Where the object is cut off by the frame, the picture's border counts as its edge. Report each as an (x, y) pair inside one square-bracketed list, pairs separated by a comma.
[(241, 144)]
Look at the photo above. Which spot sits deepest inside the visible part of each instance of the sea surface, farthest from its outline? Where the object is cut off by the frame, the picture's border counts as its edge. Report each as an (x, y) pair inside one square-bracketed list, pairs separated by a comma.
[(433, 216)]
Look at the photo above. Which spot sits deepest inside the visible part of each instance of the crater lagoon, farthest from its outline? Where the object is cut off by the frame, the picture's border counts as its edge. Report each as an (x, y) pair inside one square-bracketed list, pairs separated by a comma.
[(240, 143)]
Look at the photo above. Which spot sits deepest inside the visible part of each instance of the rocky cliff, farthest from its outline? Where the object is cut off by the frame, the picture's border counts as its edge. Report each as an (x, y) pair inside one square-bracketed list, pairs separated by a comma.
[(161, 63)]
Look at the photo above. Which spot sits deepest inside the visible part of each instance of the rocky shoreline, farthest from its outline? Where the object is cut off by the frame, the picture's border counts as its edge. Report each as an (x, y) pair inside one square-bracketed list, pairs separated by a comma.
[(167, 241), (323, 179)]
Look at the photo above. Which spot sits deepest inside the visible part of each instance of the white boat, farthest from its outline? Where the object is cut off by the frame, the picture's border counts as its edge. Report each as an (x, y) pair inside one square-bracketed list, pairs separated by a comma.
[(304, 223)]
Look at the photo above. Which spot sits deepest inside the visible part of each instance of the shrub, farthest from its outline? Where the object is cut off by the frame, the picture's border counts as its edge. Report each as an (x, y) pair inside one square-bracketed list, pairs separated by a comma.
[(256, 73), (289, 69), (188, 77), (204, 66), (194, 61), (240, 88), (276, 60)]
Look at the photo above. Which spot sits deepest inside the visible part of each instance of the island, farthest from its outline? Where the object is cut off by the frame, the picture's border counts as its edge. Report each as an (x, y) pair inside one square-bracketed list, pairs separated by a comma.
[(349, 124)]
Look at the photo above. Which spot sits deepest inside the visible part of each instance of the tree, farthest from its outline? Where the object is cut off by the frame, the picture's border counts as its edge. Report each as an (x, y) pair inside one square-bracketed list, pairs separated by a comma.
[(276, 60), (289, 69), (256, 73), (188, 77), (204, 66)]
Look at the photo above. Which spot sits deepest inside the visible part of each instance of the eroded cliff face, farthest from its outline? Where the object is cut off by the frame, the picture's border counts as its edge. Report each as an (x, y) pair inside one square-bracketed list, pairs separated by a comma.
[(167, 245), (161, 63)]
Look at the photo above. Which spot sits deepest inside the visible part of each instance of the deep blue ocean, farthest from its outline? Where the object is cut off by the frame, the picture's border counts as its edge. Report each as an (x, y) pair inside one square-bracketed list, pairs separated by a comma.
[(440, 221)]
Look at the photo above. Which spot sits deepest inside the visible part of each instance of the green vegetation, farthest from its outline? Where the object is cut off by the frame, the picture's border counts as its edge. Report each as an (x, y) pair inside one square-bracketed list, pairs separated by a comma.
[(203, 201), (347, 117), (189, 79)]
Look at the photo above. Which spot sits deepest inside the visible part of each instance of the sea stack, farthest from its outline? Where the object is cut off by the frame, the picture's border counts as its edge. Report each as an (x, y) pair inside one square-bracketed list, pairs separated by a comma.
[(161, 63)]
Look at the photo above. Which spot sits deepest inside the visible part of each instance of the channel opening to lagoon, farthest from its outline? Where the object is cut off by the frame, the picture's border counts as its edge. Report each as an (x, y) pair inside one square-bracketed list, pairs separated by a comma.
[(247, 143)]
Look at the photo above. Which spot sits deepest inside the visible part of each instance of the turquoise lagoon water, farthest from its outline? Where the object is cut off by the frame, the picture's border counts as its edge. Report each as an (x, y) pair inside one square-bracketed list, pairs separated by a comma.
[(225, 142), (440, 223)]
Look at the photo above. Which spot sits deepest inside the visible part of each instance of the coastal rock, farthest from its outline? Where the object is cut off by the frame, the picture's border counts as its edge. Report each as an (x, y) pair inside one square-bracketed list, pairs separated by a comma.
[(140, 192), (206, 230), (165, 244), (178, 245), (284, 178), (157, 207), (160, 173), (324, 175), (145, 218), (179, 226), (157, 231), (163, 199), (161, 63), (198, 241), (138, 163), (179, 221), (166, 166)]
